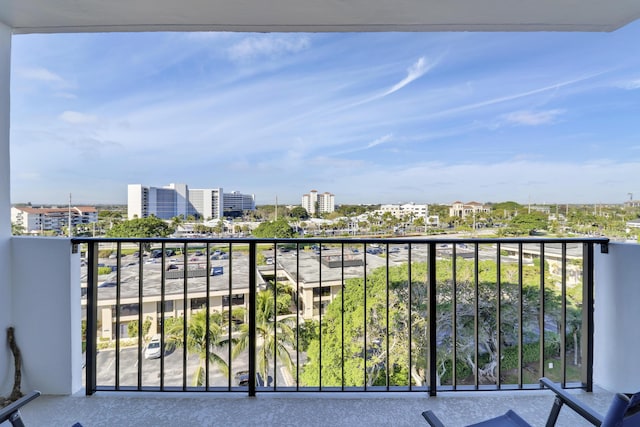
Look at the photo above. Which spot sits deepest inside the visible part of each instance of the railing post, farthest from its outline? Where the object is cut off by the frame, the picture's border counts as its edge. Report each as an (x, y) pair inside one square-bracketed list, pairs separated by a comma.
[(92, 317), (432, 301), (252, 317), (587, 315)]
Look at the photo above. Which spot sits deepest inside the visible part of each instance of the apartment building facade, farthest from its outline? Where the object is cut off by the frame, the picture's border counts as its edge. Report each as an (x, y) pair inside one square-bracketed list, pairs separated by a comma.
[(318, 203), (179, 200), (39, 220)]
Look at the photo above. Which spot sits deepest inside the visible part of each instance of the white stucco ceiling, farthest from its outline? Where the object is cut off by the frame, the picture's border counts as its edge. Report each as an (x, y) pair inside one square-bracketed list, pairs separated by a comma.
[(42, 16)]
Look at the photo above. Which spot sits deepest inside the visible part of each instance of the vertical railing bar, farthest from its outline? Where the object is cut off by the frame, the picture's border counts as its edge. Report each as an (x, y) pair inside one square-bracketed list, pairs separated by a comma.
[(454, 317), (542, 312), (185, 324), (275, 317), (298, 316), (207, 307), (342, 321), (432, 301), (520, 315), (230, 319), (364, 321), (386, 357), (563, 316), (140, 292), (118, 296), (252, 317), (319, 314), (92, 318), (587, 356), (499, 313), (409, 287), (476, 323), (163, 280)]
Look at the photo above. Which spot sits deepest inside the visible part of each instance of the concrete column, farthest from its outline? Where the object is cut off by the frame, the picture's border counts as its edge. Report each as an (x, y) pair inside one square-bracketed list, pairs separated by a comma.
[(616, 318), (46, 313), (6, 363)]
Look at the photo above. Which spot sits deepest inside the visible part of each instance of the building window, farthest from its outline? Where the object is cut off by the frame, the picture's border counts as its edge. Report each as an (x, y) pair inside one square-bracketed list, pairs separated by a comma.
[(324, 291), (237, 299), (168, 307), (126, 310), (198, 303)]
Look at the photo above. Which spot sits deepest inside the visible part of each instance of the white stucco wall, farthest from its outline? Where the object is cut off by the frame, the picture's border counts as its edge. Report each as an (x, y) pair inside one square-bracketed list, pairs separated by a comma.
[(46, 313), (5, 206), (617, 318)]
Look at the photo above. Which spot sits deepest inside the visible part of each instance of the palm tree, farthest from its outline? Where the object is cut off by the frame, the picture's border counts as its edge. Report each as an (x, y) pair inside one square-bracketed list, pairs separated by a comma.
[(274, 335), (197, 340)]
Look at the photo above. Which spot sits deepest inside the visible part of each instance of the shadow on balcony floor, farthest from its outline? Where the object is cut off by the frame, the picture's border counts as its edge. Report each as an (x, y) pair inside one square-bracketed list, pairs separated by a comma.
[(302, 409)]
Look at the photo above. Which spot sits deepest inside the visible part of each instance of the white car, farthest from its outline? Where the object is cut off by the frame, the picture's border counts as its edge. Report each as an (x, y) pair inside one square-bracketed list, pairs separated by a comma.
[(153, 348)]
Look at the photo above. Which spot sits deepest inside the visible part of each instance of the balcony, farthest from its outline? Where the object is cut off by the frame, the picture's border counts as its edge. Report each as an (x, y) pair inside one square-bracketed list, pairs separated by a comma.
[(306, 409), (39, 278), (51, 295)]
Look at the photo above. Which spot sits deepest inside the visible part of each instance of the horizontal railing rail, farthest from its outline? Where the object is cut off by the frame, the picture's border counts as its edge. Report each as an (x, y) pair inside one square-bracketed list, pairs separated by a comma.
[(337, 314)]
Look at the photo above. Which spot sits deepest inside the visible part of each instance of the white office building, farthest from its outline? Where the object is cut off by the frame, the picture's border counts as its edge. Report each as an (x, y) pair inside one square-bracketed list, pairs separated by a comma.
[(178, 200), (318, 203), (407, 210)]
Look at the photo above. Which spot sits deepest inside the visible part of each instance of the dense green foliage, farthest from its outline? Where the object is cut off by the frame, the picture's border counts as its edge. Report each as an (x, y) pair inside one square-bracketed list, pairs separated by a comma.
[(141, 227), (299, 212), (280, 229), (382, 324)]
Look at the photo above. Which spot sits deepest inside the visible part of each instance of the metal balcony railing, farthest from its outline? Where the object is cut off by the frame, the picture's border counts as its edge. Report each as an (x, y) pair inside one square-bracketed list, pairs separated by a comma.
[(259, 315)]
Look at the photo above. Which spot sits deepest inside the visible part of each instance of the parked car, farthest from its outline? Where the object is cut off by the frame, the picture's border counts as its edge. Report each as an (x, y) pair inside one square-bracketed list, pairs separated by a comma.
[(153, 350)]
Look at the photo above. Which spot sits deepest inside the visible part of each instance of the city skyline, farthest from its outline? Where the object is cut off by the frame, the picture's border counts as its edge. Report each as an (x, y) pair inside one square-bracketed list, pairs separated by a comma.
[(371, 117)]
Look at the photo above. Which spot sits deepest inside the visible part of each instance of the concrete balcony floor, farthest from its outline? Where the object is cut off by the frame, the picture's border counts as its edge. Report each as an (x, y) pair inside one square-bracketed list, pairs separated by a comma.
[(299, 409)]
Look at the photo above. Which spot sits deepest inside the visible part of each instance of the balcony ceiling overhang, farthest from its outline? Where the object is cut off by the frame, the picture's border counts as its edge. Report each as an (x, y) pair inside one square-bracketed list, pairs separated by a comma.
[(64, 16)]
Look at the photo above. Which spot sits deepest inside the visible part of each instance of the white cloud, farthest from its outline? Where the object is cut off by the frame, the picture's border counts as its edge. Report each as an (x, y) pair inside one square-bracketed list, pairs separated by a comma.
[(40, 74), (630, 84), (533, 118), (414, 72), (254, 47), (381, 140), (77, 118)]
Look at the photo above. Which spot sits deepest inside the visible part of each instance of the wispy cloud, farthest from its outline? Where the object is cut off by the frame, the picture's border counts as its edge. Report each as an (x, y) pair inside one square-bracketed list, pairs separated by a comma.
[(40, 74), (271, 46), (76, 118), (533, 118), (414, 72), (630, 84), (381, 140)]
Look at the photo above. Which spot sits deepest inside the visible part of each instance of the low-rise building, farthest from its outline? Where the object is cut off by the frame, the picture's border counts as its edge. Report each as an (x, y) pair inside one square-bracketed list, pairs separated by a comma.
[(53, 219), (463, 210)]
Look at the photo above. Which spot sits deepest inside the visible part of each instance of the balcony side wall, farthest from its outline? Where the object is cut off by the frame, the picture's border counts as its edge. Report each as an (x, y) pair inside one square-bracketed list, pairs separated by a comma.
[(46, 313), (617, 318), (5, 209)]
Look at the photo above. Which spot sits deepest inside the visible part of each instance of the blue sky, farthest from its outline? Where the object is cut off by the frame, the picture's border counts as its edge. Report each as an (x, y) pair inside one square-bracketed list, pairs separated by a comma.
[(370, 117)]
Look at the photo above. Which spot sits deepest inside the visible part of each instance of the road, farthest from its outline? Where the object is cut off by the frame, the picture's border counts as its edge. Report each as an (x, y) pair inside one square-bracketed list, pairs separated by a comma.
[(173, 369)]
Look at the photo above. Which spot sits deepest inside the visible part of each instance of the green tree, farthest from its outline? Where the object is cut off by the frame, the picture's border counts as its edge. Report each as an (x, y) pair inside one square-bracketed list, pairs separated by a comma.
[(17, 229), (527, 223), (141, 227), (278, 229), (197, 340), (275, 336), (299, 213)]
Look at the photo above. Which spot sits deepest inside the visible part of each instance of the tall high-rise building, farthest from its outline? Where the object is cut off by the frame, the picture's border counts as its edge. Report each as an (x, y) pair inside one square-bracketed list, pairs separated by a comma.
[(318, 203), (178, 200)]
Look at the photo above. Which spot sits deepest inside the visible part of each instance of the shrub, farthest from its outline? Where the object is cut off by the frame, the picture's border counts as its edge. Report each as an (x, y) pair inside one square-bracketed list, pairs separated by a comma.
[(104, 270)]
